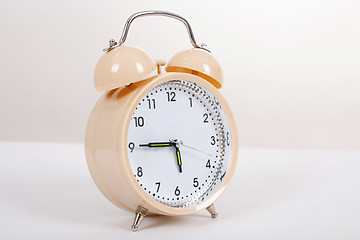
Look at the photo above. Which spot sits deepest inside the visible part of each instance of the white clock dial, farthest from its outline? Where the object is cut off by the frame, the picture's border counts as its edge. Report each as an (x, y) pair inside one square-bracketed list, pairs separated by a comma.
[(179, 143)]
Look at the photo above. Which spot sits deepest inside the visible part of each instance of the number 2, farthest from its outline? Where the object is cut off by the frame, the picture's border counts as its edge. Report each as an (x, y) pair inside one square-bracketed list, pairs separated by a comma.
[(206, 116)]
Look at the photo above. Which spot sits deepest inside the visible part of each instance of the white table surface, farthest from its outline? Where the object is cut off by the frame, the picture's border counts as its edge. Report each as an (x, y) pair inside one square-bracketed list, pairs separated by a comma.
[(47, 193)]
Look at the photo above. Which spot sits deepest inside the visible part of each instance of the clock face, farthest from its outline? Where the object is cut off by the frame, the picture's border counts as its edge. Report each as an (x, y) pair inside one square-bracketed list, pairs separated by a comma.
[(179, 143)]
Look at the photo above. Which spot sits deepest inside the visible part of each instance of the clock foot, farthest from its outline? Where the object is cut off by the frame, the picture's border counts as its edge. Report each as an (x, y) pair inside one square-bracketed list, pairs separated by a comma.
[(140, 214), (212, 211)]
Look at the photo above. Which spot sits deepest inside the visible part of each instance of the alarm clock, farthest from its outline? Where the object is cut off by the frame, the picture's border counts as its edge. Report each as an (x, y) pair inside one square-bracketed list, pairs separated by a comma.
[(161, 139)]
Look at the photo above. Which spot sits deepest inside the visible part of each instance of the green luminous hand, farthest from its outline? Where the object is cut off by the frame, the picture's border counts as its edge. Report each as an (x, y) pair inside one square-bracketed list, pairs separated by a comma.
[(157, 144), (178, 158), (172, 144)]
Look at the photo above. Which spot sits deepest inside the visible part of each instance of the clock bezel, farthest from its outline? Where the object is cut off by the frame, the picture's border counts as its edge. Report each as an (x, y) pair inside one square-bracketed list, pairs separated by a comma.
[(132, 193)]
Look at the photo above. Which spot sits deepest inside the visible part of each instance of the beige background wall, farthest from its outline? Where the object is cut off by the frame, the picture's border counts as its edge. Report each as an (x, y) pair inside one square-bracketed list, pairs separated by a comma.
[(292, 68)]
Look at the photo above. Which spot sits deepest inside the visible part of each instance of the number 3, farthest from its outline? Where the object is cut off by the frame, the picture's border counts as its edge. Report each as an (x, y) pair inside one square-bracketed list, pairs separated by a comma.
[(212, 140)]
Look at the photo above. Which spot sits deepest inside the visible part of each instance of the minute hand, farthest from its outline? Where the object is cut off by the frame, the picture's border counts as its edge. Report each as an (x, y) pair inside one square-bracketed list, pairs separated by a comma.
[(157, 144)]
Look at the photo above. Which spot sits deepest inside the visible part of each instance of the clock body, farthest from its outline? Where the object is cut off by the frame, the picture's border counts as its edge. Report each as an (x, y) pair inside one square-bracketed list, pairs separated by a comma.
[(167, 107)]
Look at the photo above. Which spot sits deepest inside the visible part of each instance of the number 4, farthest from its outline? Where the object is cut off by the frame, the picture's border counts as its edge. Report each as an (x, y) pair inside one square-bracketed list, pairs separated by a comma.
[(208, 164)]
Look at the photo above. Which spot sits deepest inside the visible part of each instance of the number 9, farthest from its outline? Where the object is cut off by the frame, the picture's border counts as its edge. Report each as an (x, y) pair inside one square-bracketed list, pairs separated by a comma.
[(131, 146)]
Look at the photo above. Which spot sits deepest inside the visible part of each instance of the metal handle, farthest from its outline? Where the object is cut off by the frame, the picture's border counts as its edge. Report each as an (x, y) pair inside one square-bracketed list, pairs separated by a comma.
[(125, 32)]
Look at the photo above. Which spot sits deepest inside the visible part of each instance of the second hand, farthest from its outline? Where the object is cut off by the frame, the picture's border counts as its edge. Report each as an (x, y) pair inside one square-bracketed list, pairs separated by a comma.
[(180, 143)]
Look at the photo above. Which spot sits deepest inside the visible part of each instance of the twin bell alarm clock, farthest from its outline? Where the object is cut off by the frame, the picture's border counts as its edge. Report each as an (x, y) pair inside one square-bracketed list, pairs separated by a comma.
[(160, 140)]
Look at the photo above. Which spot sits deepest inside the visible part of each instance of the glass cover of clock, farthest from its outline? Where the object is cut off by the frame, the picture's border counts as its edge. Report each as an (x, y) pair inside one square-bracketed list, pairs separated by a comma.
[(179, 143)]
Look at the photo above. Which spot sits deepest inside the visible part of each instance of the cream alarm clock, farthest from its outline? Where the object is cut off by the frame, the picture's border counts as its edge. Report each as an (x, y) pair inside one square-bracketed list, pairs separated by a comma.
[(160, 141)]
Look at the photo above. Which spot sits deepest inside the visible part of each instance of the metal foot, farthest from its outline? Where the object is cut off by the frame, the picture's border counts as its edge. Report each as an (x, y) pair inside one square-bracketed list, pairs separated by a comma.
[(140, 214), (212, 211)]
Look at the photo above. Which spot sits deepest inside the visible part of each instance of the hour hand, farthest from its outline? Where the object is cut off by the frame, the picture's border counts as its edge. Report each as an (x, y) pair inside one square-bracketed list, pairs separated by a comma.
[(157, 144), (178, 158)]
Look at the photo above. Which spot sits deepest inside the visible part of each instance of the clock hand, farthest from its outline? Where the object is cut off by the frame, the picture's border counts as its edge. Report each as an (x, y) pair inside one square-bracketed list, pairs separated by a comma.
[(166, 144), (197, 150), (180, 143), (178, 158), (157, 144)]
